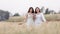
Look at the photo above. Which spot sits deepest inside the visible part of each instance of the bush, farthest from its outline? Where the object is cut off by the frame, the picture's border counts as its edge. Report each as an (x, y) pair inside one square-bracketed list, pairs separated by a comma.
[(16, 14)]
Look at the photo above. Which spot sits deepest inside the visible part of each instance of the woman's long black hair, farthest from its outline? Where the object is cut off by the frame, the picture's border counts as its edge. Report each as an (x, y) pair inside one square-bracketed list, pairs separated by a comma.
[(36, 11), (32, 10)]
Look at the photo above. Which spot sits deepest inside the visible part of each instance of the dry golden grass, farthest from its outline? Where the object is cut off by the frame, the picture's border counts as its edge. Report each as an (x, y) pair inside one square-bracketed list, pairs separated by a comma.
[(54, 17), (15, 25), (15, 28), (16, 19)]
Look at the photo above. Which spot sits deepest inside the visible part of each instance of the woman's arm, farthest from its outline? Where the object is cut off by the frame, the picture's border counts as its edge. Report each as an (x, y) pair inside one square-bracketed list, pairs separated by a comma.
[(26, 16), (25, 19), (34, 17), (43, 18)]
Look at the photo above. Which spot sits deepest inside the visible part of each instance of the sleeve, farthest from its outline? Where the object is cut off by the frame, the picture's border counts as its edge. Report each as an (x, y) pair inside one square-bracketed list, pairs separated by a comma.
[(43, 18)]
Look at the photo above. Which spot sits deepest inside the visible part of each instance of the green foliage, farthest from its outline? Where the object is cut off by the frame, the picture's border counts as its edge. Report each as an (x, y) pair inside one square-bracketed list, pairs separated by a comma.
[(16, 14)]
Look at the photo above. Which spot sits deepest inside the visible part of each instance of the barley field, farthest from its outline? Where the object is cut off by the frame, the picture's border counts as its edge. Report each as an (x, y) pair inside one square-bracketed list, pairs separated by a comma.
[(16, 25)]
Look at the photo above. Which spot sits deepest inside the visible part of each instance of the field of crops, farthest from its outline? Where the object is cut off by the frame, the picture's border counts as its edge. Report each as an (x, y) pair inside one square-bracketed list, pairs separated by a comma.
[(54, 17), (15, 25)]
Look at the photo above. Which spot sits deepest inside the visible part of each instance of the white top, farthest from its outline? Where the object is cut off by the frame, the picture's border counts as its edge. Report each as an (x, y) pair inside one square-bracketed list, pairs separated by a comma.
[(39, 18), (29, 19)]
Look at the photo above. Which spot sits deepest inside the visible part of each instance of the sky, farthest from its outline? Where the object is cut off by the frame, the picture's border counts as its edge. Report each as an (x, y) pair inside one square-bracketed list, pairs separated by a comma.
[(22, 6)]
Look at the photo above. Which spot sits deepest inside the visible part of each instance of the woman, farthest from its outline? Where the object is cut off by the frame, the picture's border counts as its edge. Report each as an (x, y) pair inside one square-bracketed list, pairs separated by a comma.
[(39, 17), (29, 17)]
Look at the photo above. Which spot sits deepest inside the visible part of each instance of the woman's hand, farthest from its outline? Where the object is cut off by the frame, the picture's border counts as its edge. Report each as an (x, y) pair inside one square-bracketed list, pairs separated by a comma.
[(47, 22), (34, 17)]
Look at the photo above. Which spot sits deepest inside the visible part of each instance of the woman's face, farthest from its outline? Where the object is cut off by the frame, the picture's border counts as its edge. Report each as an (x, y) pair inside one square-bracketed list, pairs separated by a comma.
[(37, 10), (30, 10)]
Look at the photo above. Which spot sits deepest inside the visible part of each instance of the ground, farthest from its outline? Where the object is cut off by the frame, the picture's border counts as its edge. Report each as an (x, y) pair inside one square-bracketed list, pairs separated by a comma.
[(14, 26)]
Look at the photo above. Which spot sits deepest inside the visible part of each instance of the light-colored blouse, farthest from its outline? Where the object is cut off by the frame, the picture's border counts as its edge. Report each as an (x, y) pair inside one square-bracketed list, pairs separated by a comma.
[(39, 18)]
